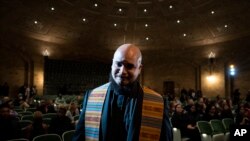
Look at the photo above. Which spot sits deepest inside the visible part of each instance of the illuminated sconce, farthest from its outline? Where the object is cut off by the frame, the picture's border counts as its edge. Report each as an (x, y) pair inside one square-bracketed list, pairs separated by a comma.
[(211, 58), (232, 70), (46, 52), (211, 79)]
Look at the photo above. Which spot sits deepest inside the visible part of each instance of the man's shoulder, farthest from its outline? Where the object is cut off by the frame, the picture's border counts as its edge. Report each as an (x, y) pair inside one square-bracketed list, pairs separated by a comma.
[(106, 85), (147, 90), (152, 95)]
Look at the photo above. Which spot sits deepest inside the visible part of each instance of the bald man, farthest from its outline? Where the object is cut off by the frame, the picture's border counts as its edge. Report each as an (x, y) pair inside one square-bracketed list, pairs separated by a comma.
[(122, 110)]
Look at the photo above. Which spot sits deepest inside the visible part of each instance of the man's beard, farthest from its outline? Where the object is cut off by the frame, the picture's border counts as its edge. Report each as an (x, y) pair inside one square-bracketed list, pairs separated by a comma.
[(124, 90)]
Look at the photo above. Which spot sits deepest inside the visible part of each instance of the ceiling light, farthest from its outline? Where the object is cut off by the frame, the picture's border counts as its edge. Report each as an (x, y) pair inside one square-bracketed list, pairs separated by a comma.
[(184, 35), (120, 10), (147, 38), (170, 6), (115, 24), (178, 21), (225, 25), (52, 8), (146, 25), (145, 10), (84, 20), (95, 4), (35, 22), (212, 12)]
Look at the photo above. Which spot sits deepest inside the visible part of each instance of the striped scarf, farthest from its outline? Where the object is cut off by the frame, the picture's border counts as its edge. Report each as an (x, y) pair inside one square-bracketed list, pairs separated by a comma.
[(152, 113)]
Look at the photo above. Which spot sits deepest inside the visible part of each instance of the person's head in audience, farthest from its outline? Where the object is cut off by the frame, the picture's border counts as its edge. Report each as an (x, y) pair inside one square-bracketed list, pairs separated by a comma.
[(38, 117), (200, 101), (4, 111), (241, 109), (192, 109), (178, 109), (225, 107), (72, 106), (59, 95), (190, 101), (61, 111), (211, 110), (172, 106)]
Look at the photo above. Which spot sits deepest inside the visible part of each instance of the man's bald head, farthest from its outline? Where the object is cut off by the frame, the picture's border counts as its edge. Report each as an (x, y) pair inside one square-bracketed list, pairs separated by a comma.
[(129, 50), (126, 65)]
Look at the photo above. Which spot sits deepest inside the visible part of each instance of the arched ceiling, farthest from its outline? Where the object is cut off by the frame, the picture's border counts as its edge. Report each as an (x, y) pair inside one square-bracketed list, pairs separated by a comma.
[(153, 24)]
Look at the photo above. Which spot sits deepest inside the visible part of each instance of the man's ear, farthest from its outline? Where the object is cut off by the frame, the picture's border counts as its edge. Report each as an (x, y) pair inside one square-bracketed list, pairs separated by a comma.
[(140, 67)]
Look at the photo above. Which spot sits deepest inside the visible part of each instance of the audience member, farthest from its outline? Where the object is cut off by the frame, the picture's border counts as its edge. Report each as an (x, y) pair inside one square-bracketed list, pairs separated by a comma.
[(21, 92), (186, 124), (27, 94), (60, 100), (37, 127), (9, 126), (42, 107), (236, 96), (24, 104), (72, 111), (33, 93), (226, 112), (184, 95), (61, 123), (51, 106), (190, 103), (242, 116), (211, 113), (192, 118), (248, 96), (13, 113), (201, 106)]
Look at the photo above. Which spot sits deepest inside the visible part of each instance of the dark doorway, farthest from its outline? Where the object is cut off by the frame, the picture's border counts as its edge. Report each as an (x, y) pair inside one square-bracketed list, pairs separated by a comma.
[(168, 89)]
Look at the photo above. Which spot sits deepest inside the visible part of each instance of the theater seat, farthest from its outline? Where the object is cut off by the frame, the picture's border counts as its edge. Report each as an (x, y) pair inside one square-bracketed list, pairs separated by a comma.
[(67, 135), (47, 137)]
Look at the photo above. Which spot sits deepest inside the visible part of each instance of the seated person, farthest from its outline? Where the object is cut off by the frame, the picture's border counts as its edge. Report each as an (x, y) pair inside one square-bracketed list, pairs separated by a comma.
[(60, 100), (72, 111), (186, 122), (37, 127), (61, 123), (9, 126), (211, 113)]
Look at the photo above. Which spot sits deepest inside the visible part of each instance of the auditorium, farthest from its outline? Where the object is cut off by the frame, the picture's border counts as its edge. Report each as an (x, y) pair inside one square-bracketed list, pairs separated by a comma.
[(192, 69)]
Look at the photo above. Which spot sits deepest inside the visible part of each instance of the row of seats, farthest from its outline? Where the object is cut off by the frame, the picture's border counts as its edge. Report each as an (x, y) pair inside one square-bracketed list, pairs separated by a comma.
[(214, 130), (204, 137), (66, 136), (48, 115), (215, 126), (216, 137), (18, 110), (27, 120)]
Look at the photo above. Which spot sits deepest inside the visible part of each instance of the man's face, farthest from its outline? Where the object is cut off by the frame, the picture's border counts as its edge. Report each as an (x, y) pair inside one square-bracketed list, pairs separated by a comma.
[(125, 68)]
